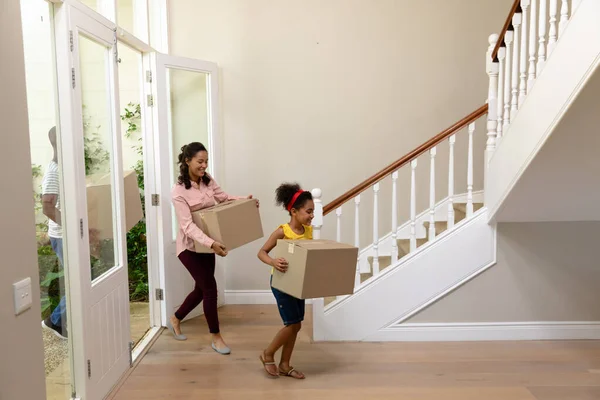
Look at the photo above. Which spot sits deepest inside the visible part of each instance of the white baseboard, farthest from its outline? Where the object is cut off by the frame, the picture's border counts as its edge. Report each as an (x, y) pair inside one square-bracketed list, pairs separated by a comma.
[(250, 297), (488, 331)]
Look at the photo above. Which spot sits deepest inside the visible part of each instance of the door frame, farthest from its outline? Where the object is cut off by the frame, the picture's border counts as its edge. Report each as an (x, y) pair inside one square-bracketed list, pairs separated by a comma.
[(161, 63)]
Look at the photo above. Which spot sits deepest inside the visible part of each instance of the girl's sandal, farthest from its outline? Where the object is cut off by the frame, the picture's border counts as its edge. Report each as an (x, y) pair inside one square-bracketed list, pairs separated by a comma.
[(292, 373), (265, 363)]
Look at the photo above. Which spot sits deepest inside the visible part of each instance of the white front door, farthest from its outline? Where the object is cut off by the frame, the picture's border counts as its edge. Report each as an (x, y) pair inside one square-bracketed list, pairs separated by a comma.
[(186, 98), (95, 218)]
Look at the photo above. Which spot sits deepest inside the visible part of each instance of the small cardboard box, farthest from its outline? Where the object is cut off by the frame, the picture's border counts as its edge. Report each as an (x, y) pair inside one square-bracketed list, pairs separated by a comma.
[(316, 268), (233, 223), (100, 205)]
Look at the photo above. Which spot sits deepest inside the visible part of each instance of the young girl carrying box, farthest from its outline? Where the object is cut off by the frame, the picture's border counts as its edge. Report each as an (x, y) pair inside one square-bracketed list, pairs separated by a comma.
[(300, 206)]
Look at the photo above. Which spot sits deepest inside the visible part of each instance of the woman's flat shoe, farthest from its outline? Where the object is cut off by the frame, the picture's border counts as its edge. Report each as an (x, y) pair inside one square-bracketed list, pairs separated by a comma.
[(176, 336), (225, 350)]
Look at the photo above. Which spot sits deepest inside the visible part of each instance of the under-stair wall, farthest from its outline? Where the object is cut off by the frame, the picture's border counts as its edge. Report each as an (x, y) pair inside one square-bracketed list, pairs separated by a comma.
[(544, 286)]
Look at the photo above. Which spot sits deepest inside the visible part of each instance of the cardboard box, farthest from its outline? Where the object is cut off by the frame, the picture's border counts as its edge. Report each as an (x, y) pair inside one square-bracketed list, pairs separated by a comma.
[(233, 223), (316, 268), (100, 203)]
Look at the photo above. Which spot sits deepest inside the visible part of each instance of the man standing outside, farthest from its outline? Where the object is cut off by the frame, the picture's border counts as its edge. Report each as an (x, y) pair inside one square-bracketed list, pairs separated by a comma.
[(57, 321)]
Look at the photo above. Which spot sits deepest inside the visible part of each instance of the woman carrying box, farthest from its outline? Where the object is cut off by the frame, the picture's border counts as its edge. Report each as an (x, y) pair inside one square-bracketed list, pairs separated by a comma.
[(196, 190)]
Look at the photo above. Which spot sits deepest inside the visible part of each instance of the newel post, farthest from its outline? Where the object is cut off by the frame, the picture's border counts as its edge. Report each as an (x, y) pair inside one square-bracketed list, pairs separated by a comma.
[(318, 305), (317, 221)]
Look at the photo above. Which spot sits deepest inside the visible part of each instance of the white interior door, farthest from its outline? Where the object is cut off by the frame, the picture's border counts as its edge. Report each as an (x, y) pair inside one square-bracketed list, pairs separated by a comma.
[(90, 126), (186, 98)]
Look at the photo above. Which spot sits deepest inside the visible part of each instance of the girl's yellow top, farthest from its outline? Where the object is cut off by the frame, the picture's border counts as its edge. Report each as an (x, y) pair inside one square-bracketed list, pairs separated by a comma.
[(289, 234)]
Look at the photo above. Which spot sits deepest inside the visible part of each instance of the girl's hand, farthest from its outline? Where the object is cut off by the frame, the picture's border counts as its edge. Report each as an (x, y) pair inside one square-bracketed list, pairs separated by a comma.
[(219, 249), (257, 202), (280, 264)]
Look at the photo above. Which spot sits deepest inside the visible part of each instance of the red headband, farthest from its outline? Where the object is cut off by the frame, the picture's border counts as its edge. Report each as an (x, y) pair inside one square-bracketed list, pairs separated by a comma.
[(294, 198)]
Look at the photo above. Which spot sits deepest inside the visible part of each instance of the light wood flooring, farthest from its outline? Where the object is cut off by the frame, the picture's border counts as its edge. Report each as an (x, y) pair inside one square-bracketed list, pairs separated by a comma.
[(548, 370)]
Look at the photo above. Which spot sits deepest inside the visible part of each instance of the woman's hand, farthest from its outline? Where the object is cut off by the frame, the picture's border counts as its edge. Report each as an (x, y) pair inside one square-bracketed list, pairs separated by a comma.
[(280, 264), (257, 202), (219, 249)]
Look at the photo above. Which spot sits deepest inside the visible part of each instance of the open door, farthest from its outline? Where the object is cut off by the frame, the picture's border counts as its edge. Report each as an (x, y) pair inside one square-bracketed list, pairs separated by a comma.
[(186, 98), (95, 219)]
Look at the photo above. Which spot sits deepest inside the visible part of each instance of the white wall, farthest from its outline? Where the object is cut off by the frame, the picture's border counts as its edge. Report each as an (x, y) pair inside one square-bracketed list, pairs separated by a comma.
[(545, 272), (22, 366), (328, 93)]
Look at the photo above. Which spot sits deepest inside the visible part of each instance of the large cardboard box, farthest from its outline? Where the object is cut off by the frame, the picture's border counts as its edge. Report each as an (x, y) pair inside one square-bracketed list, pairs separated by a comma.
[(233, 223), (100, 205), (316, 268)]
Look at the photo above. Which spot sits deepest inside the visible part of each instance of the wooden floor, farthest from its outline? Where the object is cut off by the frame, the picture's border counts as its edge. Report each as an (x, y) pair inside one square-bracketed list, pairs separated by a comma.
[(550, 370)]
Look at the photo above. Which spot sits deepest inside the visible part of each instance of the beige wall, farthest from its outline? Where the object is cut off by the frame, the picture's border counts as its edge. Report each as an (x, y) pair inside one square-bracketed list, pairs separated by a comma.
[(22, 368), (328, 93), (545, 272)]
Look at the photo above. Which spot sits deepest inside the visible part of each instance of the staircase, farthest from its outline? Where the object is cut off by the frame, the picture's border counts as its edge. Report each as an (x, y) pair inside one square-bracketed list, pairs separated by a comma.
[(453, 240), (385, 261), (404, 244)]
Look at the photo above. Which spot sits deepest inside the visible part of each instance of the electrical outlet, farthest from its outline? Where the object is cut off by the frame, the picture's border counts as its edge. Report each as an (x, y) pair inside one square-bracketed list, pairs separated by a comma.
[(22, 295)]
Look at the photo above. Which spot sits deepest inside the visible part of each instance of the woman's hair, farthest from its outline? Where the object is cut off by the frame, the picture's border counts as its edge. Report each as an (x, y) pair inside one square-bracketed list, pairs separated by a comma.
[(287, 193), (188, 152)]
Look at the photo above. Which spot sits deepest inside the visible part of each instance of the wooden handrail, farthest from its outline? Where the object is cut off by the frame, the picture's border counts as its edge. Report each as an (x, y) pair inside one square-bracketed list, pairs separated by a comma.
[(515, 9), (355, 191)]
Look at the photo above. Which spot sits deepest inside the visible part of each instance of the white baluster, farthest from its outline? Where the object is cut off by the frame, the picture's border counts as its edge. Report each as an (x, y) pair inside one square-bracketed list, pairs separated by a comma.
[(500, 101), (553, 31), (508, 39), (532, 45), (317, 221), (432, 154), (357, 236), (413, 206), (542, 37), (564, 17), (451, 142), (514, 103), (376, 229), (338, 213), (394, 217), (470, 172), (523, 55), (492, 69)]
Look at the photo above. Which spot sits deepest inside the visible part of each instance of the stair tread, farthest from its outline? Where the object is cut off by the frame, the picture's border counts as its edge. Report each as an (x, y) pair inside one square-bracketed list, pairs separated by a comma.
[(384, 262), (462, 207), (404, 246), (440, 226)]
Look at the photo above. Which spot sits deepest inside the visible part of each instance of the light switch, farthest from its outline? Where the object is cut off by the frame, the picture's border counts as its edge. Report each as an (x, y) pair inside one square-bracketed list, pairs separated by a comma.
[(22, 294)]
